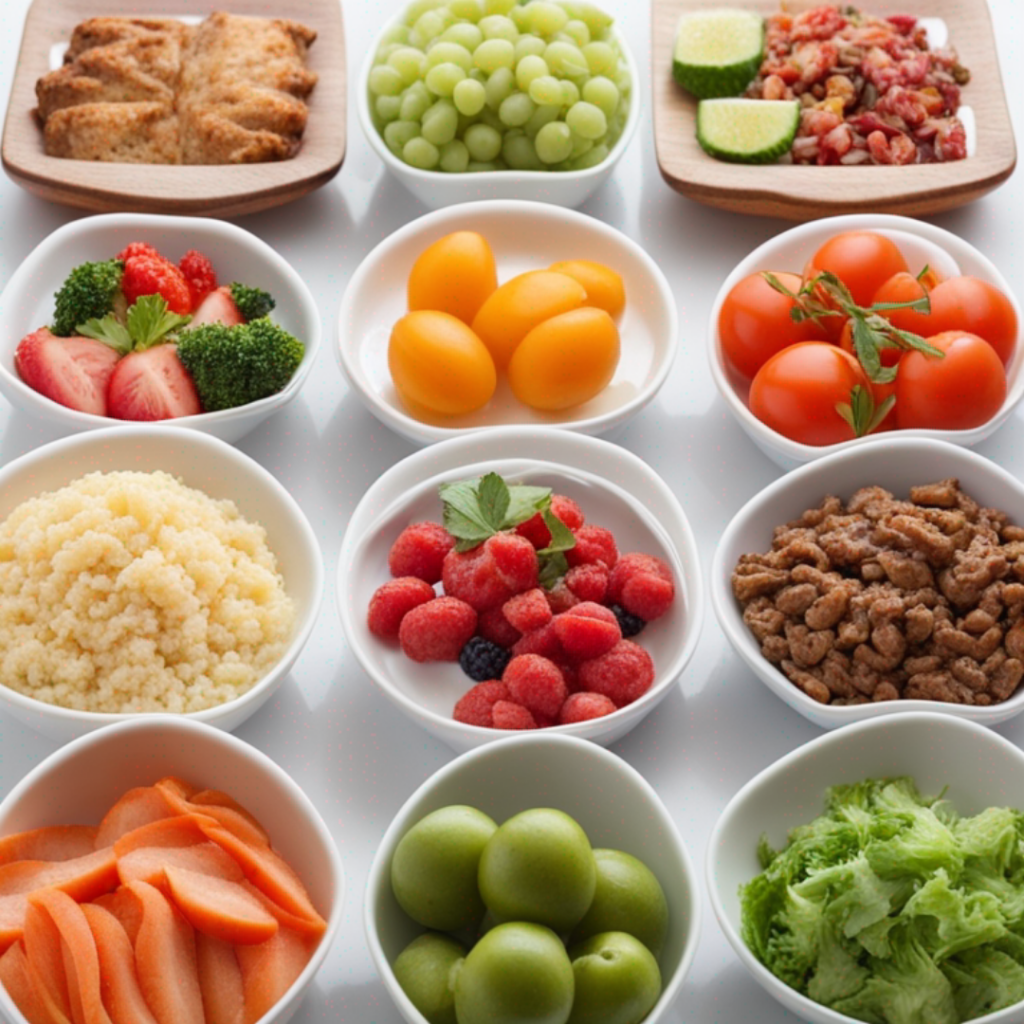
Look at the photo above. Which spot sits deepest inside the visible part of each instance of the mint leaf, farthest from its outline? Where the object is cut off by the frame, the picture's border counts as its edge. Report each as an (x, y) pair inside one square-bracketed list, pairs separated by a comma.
[(462, 506), (149, 321), (524, 503), (552, 568), (493, 498), (562, 538), (110, 331)]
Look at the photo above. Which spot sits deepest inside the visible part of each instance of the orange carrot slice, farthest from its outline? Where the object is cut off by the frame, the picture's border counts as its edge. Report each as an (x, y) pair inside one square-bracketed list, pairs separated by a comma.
[(165, 958), (215, 798), (181, 830), (143, 853), (56, 842), (270, 969), (45, 959), (220, 980), (236, 822), (122, 996), (14, 977), (220, 908), (304, 926), (78, 947), (126, 907), (136, 808), (12, 919), (82, 878)]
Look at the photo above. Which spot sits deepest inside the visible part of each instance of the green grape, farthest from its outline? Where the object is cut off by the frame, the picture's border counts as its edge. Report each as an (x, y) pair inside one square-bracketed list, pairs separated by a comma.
[(499, 86), (571, 8), (449, 53), (481, 166), (529, 46), (570, 93), (433, 23), (418, 8), (493, 54), (398, 133), (603, 93), (414, 102), (601, 58), (483, 142), (624, 82), (566, 60), (586, 120), (554, 142), (454, 157), (415, 39), (388, 108), (546, 90), (519, 18), (471, 10), (540, 117), (499, 6), (591, 159), (545, 18), (596, 19), (578, 32), (420, 153), (490, 118), (395, 34), (385, 81), (528, 69), (409, 63), (580, 146), (469, 96), (497, 26), (468, 36), (384, 52), (516, 110), (442, 80), (518, 152), (440, 123)]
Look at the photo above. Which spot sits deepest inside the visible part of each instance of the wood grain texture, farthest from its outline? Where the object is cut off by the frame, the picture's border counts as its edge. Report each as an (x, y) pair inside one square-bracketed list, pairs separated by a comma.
[(224, 190), (805, 193)]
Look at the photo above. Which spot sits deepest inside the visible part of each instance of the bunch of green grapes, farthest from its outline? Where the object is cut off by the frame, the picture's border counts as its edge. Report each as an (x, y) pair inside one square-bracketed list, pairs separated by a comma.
[(487, 85)]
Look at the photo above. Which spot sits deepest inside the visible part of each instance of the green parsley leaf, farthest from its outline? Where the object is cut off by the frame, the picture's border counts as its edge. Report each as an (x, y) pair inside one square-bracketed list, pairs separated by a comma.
[(149, 321), (110, 331)]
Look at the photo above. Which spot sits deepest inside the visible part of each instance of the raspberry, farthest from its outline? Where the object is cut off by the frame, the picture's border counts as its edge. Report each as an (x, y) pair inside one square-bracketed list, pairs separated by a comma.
[(631, 625), (477, 706), (481, 660), (623, 674), (149, 275), (642, 585), (393, 601), (495, 627), (420, 551), (569, 675), (561, 598), (437, 630), (528, 611), (138, 249), (200, 275), (536, 683), (582, 707), (507, 715), (543, 641), (535, 530), (594, 546), (588, 582), (587, 631), (515, 559), (487, 576)]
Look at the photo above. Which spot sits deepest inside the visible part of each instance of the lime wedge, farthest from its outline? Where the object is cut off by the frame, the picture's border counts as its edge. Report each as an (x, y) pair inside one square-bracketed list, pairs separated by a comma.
[(747, 131), (718, 52)]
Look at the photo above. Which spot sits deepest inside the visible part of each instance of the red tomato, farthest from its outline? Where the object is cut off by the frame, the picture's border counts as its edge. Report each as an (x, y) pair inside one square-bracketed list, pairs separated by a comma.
[(879, 392), (797, 390), (904, 287), (963, 390), (755, 323), (862, 260), (977, 307)]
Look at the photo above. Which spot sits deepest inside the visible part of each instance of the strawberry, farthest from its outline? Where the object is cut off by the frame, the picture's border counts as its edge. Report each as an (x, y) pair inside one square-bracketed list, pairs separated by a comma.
[(72, 371), (148, 275), (152, 385), (138, 249), (200, 275), (217, 308)]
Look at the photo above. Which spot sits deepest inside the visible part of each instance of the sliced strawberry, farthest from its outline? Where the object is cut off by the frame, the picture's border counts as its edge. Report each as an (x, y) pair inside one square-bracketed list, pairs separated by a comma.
[(152, 385), (200, 275), (149, 275), (217, 308), (72, 371)]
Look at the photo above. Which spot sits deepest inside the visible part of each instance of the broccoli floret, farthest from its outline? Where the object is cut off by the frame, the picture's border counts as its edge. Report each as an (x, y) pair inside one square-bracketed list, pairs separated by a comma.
[(90, 292), (233, 366), (252, 303)]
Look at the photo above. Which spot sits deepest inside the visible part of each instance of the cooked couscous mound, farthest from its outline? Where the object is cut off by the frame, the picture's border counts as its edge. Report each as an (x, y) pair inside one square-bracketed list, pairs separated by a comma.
[(130, 592)]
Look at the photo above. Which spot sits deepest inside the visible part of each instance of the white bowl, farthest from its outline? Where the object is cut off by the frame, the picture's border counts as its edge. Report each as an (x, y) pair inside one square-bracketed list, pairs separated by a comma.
[(213, 467), (920, 243), (976, 767), (614, 488), (524, 236), (438, 189), (895, 463), (613, 803), (27, 304), (80, 782)]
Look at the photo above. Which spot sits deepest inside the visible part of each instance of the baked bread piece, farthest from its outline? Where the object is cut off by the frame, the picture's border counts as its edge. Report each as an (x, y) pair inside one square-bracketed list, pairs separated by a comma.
[(126, 133), (104, 31)]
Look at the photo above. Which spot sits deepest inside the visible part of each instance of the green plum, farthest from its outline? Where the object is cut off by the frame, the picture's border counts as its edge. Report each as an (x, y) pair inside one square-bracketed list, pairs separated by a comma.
[(617, 980), (628, 899), (517, 973), (539, 867), (426, 971), (434, 869)]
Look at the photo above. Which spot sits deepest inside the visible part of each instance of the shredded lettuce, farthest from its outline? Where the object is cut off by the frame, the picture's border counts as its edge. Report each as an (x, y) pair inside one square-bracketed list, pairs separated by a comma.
[(892, 909)]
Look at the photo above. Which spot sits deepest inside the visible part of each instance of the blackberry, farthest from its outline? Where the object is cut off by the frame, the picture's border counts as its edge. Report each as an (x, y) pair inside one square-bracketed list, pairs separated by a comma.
[(481, 660), (630, 625)]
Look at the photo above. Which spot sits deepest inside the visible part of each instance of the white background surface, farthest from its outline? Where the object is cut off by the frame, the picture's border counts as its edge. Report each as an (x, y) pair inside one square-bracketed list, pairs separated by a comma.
[(356, 756)]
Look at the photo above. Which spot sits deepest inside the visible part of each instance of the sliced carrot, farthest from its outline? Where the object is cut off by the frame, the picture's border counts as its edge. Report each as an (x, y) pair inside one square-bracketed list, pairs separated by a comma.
[(304, 926), (180, 830), (220, 980), (126, 907), (185, 789), (215, 798), (55, 842), (136, 808), (12, 919), (237, 822), (165, 958), (220, 908), (15, 978), (122, 996), (45, 959), (83, 878), (81, 962), (148, 864), (270, 969)]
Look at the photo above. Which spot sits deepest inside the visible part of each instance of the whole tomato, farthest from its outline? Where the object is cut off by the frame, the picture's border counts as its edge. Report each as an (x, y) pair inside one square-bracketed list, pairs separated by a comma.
[(862, 260), (880, 392), (797, 392), (962, 390), (904, 287), (977, 307), (755, 323)]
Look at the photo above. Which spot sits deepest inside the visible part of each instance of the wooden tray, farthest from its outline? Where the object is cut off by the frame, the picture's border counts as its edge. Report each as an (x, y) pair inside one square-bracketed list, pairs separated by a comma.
[(216, 191), (805, 193)]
